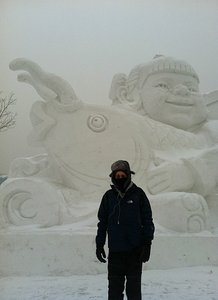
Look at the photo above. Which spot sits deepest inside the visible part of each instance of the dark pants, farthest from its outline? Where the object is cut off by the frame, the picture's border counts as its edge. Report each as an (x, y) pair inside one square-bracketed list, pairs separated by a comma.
[(124, 266)]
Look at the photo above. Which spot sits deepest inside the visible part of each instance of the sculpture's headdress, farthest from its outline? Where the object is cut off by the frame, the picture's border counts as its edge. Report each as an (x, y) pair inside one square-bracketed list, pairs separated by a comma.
[(162, 64)]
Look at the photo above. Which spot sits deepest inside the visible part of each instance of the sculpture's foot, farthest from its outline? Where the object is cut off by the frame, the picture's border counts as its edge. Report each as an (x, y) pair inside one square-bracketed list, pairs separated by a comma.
[(25, 201), (213, 208), (181, 212)]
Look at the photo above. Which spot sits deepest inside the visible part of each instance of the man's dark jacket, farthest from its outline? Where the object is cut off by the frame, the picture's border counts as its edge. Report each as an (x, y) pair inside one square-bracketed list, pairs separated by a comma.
[(127, 219)]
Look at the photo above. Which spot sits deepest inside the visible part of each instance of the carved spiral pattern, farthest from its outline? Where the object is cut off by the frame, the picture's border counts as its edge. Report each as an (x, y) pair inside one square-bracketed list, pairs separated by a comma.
[(196, 223), (198, 210), (21, 203), (17, 207)]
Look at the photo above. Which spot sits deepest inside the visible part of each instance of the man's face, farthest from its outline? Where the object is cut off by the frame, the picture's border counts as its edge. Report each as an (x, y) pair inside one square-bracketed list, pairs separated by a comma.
[(120, 174), (173, 99)]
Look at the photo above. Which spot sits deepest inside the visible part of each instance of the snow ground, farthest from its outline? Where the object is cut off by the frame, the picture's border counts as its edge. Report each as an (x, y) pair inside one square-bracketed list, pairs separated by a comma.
[(194, 283)]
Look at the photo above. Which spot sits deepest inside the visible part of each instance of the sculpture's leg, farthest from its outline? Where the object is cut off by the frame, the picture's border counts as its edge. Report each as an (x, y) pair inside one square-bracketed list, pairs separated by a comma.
[(181, 212)]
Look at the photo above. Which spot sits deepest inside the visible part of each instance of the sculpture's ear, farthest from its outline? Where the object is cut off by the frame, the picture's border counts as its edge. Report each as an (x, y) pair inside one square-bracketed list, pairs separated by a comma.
[(211, 101), (120, 94), (118, 90)]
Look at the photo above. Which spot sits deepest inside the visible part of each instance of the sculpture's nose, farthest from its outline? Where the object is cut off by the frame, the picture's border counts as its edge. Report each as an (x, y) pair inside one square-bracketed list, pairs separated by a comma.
[(181, 90)]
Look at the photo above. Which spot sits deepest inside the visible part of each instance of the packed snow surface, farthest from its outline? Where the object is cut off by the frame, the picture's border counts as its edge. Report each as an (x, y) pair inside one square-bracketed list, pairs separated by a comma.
[(194, 283)]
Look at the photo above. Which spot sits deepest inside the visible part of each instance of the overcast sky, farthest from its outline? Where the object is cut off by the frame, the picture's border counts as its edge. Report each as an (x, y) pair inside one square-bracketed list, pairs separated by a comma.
[(87, 41)]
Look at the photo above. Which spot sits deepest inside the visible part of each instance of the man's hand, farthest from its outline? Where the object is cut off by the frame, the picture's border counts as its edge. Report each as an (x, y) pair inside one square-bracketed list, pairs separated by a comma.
[(146, 251), (100, 253)]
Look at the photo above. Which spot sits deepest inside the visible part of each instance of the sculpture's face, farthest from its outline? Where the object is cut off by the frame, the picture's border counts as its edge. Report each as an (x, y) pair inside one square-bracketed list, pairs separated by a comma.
[(173, 99)]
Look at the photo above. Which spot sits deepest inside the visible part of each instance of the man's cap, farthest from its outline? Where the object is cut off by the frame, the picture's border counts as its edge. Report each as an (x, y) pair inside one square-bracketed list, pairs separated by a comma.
[(121, 165)]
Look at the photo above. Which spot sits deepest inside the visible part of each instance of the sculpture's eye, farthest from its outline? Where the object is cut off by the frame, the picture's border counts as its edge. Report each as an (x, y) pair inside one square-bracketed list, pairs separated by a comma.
[(192, 89), (162, 85), (97, 123)]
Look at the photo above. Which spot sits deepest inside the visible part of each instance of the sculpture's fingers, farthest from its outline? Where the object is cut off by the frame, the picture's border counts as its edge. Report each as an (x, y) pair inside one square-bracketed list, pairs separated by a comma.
[(159, 185), (44, 92), (156, 177)]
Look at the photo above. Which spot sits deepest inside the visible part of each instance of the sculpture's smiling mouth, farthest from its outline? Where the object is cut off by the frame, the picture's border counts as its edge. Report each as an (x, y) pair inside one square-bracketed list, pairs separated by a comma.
[(182, 103)]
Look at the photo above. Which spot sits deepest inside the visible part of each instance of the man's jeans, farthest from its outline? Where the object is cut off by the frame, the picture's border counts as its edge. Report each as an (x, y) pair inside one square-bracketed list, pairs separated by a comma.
[(124, 266)]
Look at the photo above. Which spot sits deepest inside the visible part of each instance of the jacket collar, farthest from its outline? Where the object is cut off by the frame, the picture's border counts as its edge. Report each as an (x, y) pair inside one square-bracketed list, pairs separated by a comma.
[(114, 188)]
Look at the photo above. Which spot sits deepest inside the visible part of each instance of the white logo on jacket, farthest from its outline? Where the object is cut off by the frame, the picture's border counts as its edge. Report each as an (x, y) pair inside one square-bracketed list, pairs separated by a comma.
[(129, 201)]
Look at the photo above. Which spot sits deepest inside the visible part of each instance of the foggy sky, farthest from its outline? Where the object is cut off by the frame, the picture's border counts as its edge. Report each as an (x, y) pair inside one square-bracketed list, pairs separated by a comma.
[(87, 42)]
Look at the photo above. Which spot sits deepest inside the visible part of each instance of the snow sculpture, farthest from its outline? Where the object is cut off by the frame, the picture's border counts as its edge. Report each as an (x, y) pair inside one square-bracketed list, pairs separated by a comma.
[(158, 122), (183, 135)]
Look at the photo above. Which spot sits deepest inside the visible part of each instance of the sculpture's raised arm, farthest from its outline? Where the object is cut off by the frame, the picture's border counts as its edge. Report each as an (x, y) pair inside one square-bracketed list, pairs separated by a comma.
[(47, 85)]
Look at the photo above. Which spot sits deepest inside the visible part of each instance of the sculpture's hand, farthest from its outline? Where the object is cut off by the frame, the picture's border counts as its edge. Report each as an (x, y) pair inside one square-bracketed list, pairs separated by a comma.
[(170, 177)]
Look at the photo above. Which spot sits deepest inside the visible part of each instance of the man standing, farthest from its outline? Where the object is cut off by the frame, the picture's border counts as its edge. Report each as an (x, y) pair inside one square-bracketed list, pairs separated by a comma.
[(125, 216)]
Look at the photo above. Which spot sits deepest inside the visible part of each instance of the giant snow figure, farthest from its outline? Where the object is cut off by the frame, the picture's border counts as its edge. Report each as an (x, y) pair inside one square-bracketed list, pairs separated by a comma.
[(163, 132), (182, 136)]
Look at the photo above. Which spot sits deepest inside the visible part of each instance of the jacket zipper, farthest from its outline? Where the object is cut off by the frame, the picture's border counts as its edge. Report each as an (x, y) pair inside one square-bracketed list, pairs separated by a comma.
[(118, 219)]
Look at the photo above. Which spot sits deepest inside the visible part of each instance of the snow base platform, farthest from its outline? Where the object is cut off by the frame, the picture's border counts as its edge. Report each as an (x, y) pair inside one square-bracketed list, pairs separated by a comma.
[(54, 252)]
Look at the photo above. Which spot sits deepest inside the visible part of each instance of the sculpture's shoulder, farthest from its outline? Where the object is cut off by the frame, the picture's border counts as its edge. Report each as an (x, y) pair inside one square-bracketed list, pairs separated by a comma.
[(210, 129), (163, 136), (211, 101)]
